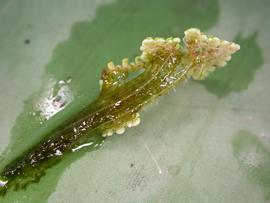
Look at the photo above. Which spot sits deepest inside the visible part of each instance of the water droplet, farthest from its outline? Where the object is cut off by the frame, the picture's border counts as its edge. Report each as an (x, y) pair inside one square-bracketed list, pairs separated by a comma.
[(56, 97)]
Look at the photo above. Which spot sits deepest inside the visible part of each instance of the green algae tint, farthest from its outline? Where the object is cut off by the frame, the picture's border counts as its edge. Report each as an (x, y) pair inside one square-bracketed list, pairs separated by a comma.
[(77, 51), (164, 63)]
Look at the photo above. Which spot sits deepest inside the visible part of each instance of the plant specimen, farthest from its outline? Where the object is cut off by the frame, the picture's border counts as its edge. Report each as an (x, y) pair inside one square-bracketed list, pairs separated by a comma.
[(162, 64)]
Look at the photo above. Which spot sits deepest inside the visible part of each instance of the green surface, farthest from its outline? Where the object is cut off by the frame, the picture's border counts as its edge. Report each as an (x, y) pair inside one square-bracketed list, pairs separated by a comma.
[(206, 142)]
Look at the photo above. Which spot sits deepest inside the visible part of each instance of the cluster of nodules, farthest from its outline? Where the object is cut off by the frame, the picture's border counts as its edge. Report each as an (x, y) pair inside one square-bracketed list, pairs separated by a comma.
[(152, 46), (206, 53), (120, 128), (113, 75), (201, 55)]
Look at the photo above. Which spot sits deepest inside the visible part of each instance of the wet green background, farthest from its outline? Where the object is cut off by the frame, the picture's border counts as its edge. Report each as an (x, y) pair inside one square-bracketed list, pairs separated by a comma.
[(206, 142)]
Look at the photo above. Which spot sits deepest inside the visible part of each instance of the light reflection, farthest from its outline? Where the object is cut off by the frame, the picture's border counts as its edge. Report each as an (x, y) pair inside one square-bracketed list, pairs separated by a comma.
[(82, 146), (58, 153), (3, 183), (56, 97)]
